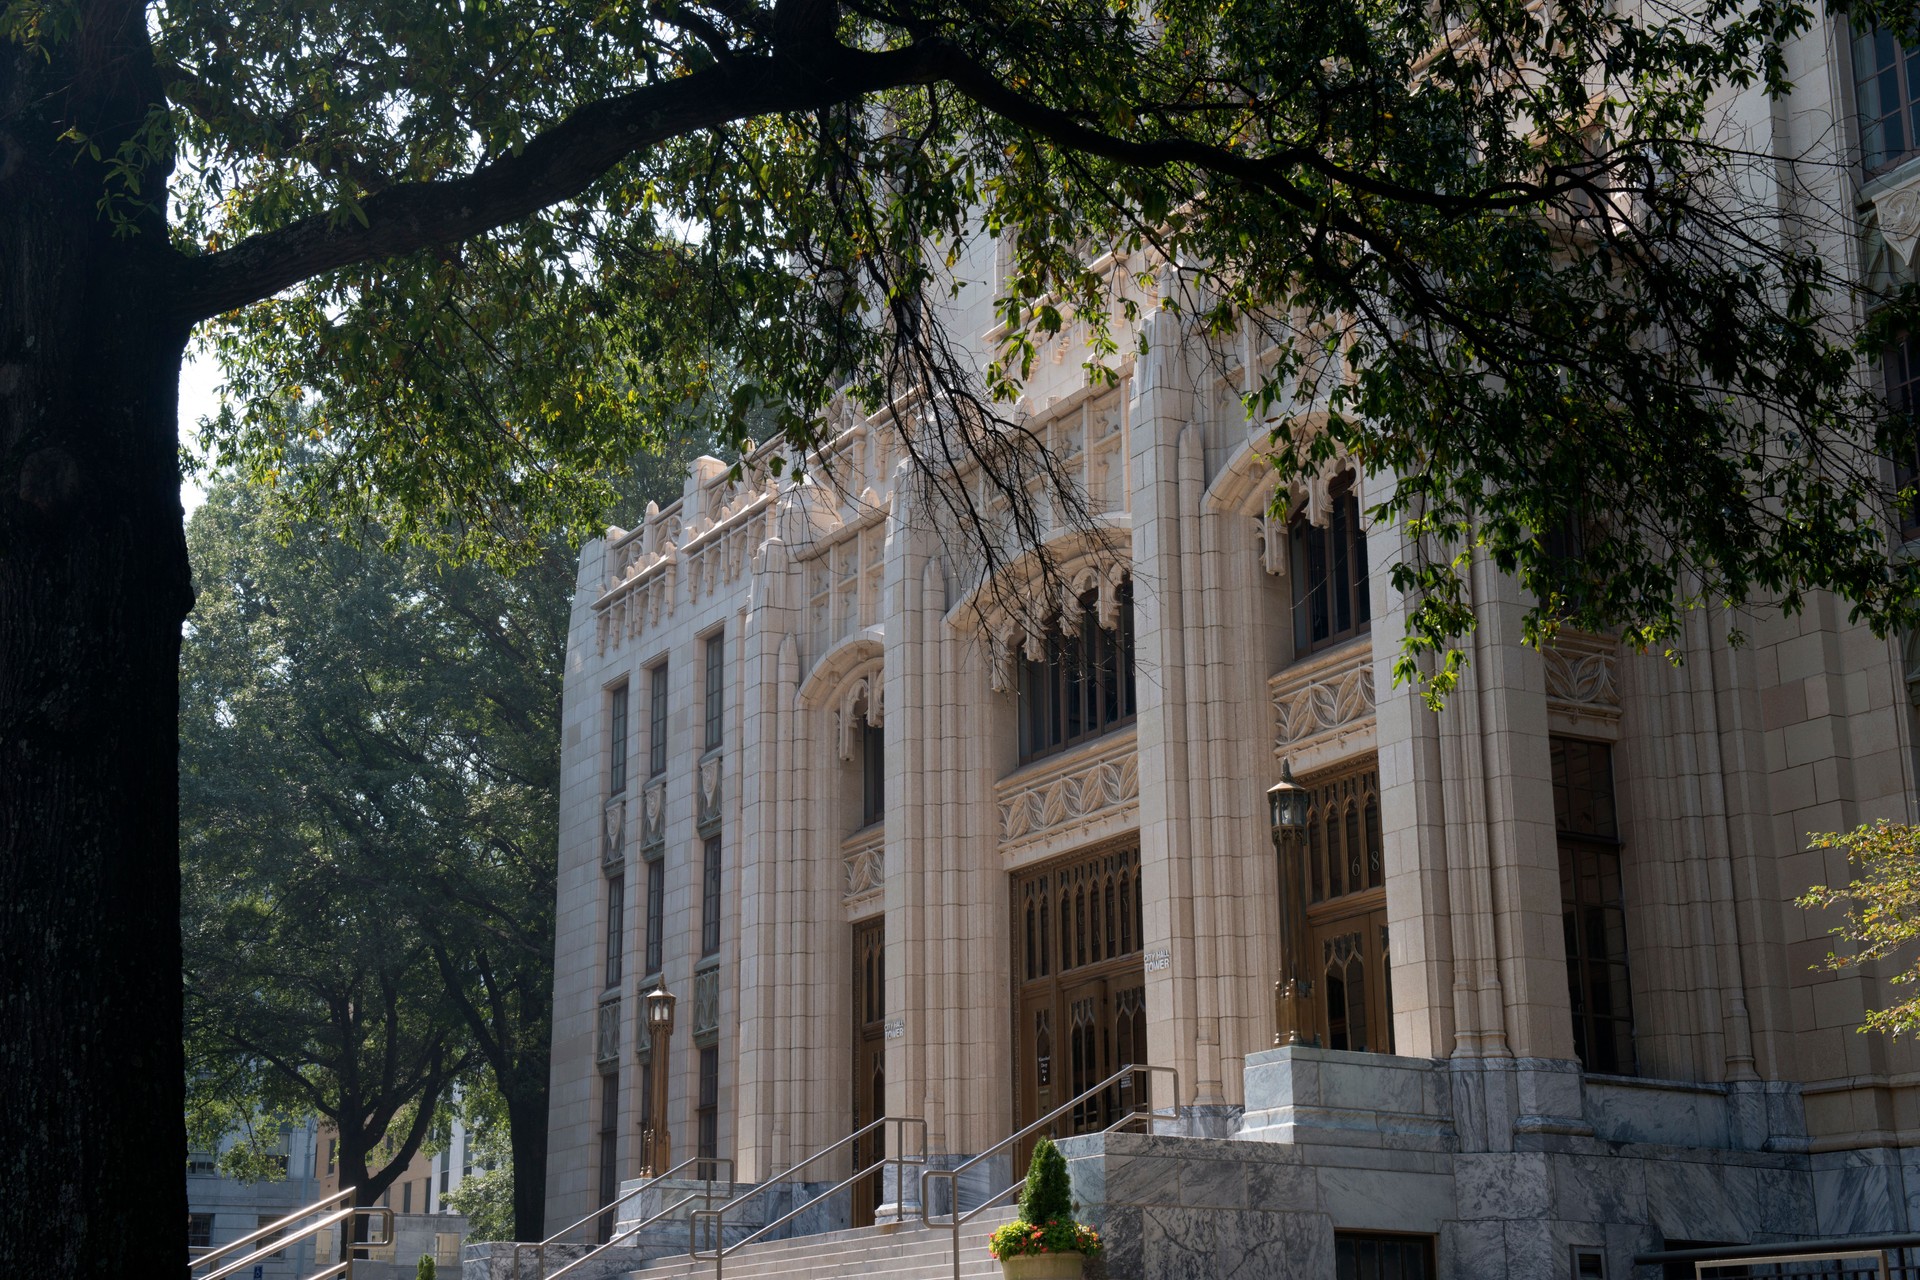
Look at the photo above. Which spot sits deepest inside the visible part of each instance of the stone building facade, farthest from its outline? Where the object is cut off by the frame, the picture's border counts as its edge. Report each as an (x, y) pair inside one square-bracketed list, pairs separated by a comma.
[(899, 851)]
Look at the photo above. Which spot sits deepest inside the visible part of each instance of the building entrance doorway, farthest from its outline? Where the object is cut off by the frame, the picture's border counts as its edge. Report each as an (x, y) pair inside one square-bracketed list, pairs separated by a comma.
[(1079, 989), (869, 1063)]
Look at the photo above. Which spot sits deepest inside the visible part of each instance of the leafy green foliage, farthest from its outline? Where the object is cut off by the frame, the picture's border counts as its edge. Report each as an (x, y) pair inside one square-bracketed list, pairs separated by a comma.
[(487, 1201), (1019, 1238), (1048, 1194), (1881, 910), (1502, 255), (426, 1270), (368, 763)]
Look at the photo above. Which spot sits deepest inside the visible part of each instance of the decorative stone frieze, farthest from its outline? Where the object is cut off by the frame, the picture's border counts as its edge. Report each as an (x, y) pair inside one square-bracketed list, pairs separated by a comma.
[(1066, 798), (864, 855), (653, 814), (672, 555), (706, 1003), (606, 1033), (1323, 697), (708, 788), (1583, 682), (613, 835), (1892, 227)]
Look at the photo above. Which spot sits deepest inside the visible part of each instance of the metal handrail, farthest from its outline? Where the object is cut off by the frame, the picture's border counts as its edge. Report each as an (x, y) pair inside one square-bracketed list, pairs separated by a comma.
[(1788, 1252), (342, 1214), (540, 1247), (318, 1206), (955, 1218), (899, 1160)]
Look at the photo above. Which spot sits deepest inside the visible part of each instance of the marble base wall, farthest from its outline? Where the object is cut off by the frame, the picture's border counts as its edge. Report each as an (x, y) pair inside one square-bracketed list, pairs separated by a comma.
[(1507, 1165)]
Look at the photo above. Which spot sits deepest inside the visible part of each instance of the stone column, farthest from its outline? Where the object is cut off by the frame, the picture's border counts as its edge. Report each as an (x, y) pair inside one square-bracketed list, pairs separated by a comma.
[(1181, 1032)]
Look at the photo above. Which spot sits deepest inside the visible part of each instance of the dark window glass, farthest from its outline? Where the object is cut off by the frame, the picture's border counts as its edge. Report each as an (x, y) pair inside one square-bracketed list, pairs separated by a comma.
[(1592, 906), (873, 774), (657, 716), (1083, 684), (707, 1115), (616, 926), (656, 912), (1887, 80), (199, 1231), (617, 741), (716, 688), (1330, 599), (1368, 1255), (1903, 397), (710, 898), (1344, 851), (609, 1149)]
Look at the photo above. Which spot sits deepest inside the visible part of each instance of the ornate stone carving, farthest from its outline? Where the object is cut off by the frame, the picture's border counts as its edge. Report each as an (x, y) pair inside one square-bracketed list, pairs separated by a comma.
[(709, 789), (1323, 698), (606, 1030), (1583, 673), (706, 1002), (1089, 791), (864, 700), (653, 814), (613, 833), (866, 864), (1897, 217)]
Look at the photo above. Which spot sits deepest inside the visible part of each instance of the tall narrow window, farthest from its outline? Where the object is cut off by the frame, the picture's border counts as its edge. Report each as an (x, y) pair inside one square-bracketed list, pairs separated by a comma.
[(616, 926), (873, 774), (617, 741), (656, 912), (199, 1231), (1592, 905), (716, 687), (657, 721), (710, 898), (1330, 599), (707, 1115), (1903, 398), (609, 1149), (1887, 79), (1082, 686)]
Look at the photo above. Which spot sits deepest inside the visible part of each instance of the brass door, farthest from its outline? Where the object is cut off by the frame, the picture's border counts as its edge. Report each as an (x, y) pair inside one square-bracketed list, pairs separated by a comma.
[(869, 1062), (1079, 987)]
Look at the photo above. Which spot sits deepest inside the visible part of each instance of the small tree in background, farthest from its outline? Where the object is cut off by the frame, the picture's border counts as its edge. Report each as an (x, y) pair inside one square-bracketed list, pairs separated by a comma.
[(1048, 1194), (426, 1269), (1881, 906), (1045, 1224)]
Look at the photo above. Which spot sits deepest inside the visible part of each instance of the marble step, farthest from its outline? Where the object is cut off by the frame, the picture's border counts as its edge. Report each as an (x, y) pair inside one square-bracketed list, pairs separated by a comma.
[(908, 1251)]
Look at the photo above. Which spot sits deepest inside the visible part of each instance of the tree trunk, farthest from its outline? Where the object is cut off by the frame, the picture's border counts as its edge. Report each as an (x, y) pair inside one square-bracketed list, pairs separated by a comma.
[(93, 588), (527, 1125)]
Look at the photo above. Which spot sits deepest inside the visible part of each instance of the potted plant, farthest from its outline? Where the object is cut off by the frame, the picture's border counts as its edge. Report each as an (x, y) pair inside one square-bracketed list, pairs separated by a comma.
[(1044, 1242)]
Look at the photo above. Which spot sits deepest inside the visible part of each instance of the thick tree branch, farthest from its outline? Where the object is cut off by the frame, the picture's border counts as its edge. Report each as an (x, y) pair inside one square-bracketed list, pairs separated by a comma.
[(558, 165)]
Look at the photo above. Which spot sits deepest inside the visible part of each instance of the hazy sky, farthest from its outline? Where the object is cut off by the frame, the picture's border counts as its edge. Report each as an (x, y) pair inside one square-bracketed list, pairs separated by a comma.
[(199, 382)]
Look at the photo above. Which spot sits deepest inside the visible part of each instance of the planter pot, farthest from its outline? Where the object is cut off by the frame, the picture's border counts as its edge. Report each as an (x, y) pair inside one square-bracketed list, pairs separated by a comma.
[(1044, 1266)]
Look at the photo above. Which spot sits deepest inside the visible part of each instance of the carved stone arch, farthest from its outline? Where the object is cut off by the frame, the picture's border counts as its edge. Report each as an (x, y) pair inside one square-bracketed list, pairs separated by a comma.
[(861, 700), (1100, 562)]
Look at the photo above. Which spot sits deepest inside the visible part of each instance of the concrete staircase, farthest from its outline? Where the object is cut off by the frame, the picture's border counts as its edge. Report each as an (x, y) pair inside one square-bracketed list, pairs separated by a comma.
[(908, 1251)]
